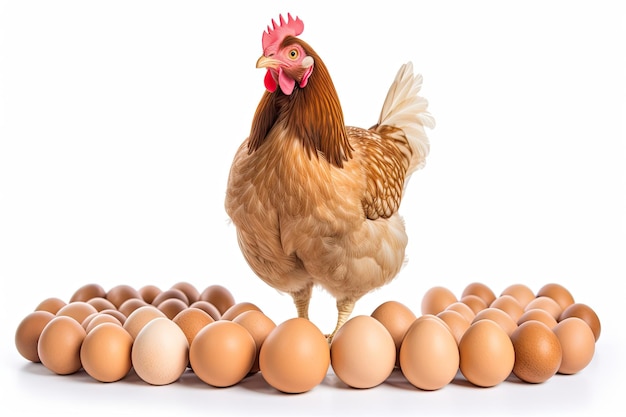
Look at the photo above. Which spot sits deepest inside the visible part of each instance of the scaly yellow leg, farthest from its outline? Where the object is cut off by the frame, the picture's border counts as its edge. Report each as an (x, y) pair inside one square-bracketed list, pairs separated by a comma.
[(344, 309), (301, 299)]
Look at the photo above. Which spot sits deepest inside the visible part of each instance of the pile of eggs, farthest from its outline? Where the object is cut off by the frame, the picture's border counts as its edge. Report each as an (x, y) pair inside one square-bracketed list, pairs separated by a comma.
[(161, 334)]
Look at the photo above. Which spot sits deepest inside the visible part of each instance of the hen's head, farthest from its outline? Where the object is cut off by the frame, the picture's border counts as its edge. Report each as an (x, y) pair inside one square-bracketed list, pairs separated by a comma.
[(285, 56)]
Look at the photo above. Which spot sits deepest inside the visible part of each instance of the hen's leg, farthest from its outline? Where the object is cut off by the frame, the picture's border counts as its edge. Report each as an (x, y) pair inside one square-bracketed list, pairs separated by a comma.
[(301, 299), (344, 309)]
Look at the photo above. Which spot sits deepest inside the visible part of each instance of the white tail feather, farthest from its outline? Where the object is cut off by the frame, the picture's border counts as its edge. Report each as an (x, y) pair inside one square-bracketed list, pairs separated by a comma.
[(405, 109)]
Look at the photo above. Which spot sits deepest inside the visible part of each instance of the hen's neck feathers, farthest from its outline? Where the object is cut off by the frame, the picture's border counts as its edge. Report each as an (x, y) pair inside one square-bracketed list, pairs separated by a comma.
[(312, 115)]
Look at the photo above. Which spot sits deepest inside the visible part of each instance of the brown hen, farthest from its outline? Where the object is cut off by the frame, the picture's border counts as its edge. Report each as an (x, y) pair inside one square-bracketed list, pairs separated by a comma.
[(315, 202)]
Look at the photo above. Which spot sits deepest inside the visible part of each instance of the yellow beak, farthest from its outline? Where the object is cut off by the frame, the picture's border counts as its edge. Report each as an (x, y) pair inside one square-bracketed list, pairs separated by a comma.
[(266, 62)]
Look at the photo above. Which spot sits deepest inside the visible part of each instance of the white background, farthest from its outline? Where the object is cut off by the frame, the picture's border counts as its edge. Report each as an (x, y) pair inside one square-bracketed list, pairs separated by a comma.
[(119, 120)]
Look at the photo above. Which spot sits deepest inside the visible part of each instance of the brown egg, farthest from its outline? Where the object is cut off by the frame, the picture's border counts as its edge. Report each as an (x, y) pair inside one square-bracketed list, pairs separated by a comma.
[(191, 320), (160, 352), (547, 304), (362, 352), (295, 356), (397, 318), (219, 296), (101, 303), (577, 344), (140, 317), (429, 355), (558, 293), (87, 292), (222, 353), (171, 307), (131, 305), (474, 302), (190, 291), (538, 315), (522, 293), (59, 345), (456, 322), (115, 313), (106, 352), (208, 307), (481, 290), (149, 292), (169, 294), (462, 308), (509, 305), (436, 299), (259, 326), (52, 305), (120, 293), (500, 317), (236, 309), (78, 310), (586, 313), (99, 319), (486, 354), (537, 352), (28, 332)]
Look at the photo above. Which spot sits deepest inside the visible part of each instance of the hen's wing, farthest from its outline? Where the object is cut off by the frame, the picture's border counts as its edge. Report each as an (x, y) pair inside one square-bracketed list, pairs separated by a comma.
[(385, 159)]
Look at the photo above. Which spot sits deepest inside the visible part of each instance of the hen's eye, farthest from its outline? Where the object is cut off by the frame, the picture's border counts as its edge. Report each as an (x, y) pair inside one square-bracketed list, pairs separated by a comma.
[(293, 54)]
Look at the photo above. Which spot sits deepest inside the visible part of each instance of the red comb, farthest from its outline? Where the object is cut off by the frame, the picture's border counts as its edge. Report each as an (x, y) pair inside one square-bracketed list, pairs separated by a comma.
[(275, 34)]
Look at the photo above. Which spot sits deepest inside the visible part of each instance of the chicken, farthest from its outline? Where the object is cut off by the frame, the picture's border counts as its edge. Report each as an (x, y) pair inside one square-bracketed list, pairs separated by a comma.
[(315, 202)]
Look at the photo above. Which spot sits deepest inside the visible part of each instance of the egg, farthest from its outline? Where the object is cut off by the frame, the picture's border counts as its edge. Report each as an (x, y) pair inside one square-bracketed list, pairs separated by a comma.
[(191, 320), (481, 290), (52, 305), (295, 356), (149, 292), (222, 353), (169, 294), (522, 293), (509, 305), (105, 353), (436, 299), (120, 293), (259, 326), (577, 344), (171, 307), (208, 307), (583, 311), (456, 322), (547, 304), (78, 310), (160, 352), (486, 354), (219, 296), (59, 345), (238, 308), (189, 289), (101, 303), (362, 352), (537, 352), (140, 317), (115, 313), (397, 318), (558, 293), (474, 302), (131, 305), (28, 332), (87, 292), (539, 315), (99, 318), (463, 309), (429, 355), (499, 317)]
